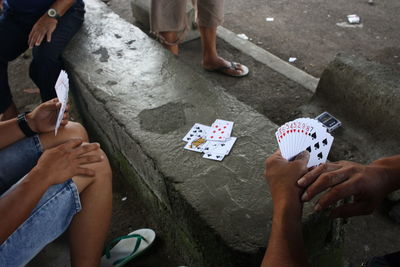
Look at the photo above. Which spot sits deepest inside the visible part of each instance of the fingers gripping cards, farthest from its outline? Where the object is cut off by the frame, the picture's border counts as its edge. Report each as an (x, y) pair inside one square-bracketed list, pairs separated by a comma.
[(304, 134), (214, 141)]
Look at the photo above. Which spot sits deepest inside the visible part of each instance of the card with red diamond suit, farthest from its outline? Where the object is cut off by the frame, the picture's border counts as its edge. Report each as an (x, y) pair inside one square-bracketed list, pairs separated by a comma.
[(220, 130)]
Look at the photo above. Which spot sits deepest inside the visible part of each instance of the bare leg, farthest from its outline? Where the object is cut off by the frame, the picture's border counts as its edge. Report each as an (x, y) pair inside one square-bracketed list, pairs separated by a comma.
[(211, 60), (171, 37), (70, 131), (10, 113), (88, 229)]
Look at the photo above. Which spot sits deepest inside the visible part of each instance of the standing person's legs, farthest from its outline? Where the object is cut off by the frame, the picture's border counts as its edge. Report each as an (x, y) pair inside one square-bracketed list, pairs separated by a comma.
[(168, 17), (14, 41), (47, 64), (210, 16)]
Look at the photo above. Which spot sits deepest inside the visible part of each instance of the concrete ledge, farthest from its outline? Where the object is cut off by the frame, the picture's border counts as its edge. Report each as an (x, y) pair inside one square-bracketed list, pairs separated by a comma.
[(366, 95), (139, 100)]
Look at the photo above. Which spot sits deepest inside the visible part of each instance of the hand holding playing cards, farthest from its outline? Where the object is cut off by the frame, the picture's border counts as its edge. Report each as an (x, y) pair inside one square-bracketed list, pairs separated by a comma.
[(368, 184), (43, 118), (65, 161), (282, 176)]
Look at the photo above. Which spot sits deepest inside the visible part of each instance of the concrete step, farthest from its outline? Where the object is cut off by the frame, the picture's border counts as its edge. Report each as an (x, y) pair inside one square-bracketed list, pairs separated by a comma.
[(139, 100)]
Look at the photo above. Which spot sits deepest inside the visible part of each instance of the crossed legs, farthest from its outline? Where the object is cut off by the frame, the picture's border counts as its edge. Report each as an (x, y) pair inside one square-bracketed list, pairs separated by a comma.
[(88, 230)]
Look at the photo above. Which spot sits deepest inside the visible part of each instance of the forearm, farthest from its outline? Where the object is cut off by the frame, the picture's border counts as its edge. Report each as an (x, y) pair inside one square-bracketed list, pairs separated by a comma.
[(390, 168), (10, 133), (17, 205), (286, 244)]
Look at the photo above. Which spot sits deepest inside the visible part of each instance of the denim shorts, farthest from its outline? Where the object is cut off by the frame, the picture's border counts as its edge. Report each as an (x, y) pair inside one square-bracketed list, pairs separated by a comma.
[(51, 216)]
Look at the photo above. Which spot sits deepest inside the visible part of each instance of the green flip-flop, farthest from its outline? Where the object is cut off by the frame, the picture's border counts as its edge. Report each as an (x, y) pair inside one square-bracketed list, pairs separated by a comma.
[(125, 248)]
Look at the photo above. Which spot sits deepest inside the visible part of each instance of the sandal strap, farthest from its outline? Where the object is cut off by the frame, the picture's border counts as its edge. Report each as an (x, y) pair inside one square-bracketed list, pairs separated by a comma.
[(111, 244), (133, 252)]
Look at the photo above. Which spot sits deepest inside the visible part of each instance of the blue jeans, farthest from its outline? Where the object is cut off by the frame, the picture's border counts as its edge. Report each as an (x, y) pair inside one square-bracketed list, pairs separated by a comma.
[(46, 64), (51, 216)]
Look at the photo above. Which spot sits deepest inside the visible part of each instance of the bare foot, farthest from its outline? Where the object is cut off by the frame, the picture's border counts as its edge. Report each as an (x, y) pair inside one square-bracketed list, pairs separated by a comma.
[(10, 113), (170, 37), (222, 65)]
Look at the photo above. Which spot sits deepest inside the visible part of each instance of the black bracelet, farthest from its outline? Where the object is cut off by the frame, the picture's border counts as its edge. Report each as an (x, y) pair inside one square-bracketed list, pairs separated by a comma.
[(23, 125)]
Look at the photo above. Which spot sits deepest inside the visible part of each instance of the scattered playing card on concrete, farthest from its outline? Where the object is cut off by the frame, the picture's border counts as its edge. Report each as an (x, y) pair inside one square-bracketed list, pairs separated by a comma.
[(215, 141), (62, 89), (269, 19)]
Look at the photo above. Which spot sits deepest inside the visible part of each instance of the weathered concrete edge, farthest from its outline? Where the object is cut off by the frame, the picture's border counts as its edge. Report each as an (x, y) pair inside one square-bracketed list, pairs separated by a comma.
[(174, 224), (306, 80)]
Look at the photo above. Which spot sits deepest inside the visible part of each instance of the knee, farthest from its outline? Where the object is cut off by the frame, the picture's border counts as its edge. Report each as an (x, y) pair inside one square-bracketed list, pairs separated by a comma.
[(72, 130), (103, 169), (75, 130)]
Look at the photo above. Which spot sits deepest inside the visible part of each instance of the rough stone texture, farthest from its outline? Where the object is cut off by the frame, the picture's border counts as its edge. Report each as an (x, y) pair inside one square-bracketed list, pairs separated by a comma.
[(215, 213), (365, 95), (141, 13)]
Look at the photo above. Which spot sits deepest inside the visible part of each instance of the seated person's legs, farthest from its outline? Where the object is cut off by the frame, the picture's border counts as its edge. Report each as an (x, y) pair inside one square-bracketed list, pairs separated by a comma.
[(88, 228), (14, 43)]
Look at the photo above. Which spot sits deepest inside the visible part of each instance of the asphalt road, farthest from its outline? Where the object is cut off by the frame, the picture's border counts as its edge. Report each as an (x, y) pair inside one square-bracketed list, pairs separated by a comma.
[(308, 30)]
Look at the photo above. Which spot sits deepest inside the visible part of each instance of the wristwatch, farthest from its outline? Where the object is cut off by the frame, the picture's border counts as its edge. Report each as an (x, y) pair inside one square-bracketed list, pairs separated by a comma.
[(23, 125), (52, 13)]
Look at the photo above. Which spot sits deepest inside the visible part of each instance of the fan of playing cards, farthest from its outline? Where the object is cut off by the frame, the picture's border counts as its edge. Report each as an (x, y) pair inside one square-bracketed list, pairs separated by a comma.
[(215, 141), (304, 134), (62, 88)]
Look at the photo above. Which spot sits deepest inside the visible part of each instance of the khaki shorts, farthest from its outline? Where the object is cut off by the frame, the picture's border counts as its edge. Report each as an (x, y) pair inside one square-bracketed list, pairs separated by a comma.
[(170, 15)]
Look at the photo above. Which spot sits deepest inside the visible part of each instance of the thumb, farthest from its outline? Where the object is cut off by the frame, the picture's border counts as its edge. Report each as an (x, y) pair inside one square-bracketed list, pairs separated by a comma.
[(303, 156)]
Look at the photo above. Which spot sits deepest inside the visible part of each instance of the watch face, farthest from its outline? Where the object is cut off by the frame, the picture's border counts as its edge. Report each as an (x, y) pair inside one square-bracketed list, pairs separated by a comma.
[(52, 12)]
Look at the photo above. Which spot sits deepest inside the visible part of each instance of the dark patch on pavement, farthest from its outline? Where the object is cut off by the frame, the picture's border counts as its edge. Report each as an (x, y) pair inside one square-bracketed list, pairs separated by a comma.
[(103, 52), (163, 119)]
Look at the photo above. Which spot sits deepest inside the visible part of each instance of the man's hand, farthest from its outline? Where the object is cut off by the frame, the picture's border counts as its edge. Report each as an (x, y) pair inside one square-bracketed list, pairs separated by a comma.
[(1, 5), (368, 184), (44, 27), (43, 118), (65, 161), (282, 176)]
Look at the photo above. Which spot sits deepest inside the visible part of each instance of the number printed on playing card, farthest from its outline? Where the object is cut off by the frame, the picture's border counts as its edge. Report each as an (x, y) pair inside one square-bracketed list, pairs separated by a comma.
[(304, 134)]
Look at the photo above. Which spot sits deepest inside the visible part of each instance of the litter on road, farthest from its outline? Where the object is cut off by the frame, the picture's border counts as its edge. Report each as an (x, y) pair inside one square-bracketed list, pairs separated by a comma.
[(353, 19), (292, 59), (243, 36), (269, 19)]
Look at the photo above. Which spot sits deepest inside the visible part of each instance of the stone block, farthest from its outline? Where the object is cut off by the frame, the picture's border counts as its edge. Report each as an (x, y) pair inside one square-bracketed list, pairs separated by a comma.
[(140, 100)]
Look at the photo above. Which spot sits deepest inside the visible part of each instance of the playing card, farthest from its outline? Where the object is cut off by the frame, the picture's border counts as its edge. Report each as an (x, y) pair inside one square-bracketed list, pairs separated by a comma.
[(197, 131), (196, 145), (220, 147), (62, 88), (220, 130), (304, 134), (214, 156)]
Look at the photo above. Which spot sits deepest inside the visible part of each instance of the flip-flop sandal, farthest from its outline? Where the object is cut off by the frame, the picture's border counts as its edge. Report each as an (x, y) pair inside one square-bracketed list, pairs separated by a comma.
[(233, 66), (127, 247)]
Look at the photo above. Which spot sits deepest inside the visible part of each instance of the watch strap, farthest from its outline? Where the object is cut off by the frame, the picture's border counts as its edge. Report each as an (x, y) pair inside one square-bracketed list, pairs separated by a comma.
[(23, 125)]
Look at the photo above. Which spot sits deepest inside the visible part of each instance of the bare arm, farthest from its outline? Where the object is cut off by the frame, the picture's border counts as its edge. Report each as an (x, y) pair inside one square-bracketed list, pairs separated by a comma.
[(41, 120), (369, 184), (45, 26), (286, 246), (55, 166)]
